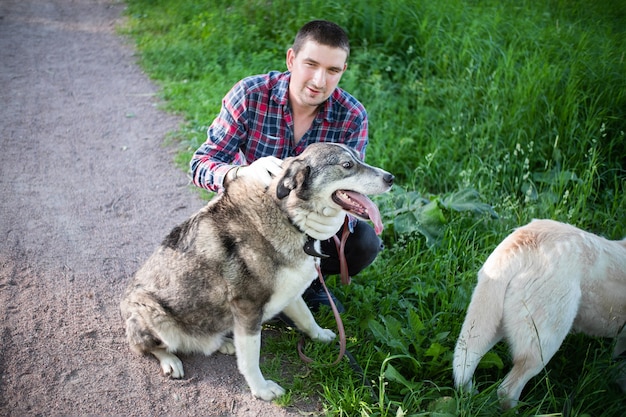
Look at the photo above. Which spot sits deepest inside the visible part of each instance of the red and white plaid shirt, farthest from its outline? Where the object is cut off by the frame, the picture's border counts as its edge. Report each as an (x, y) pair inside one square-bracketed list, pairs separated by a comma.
[(256, 121)]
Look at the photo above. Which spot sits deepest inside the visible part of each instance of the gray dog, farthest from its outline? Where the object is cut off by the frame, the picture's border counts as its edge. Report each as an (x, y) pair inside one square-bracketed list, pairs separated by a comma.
[(240, 261)]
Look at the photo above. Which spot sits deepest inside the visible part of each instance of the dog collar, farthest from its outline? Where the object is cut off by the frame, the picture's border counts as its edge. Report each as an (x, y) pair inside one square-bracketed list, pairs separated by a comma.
[(309, 248)]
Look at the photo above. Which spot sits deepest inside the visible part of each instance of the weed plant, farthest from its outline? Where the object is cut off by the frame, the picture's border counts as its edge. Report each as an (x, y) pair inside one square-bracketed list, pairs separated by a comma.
[(489, 113)]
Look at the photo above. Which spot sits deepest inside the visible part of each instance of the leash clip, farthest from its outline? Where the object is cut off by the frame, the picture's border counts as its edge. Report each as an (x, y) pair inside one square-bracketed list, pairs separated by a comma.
[(309, 248)]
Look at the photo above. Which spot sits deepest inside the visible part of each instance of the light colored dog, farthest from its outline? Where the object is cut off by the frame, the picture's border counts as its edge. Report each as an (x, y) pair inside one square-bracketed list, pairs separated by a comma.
[(542, 281), (240, 261)]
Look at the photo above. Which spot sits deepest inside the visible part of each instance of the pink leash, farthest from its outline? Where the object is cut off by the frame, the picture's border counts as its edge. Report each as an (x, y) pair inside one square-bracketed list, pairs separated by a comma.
[(345, 279), (341, 245)]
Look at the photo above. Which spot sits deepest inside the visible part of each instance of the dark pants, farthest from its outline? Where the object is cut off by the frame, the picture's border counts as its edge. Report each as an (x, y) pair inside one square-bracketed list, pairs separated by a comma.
[(362, 247)]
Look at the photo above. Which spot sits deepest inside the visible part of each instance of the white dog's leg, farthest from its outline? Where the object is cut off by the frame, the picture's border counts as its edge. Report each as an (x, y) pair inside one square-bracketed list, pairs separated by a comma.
[(533, 342), (248, 347), (524, 368), (299, 312), (170, 364), (620, 348)]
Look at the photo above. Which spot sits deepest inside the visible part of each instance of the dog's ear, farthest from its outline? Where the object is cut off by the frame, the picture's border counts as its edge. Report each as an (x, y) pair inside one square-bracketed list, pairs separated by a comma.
[(294, 177)]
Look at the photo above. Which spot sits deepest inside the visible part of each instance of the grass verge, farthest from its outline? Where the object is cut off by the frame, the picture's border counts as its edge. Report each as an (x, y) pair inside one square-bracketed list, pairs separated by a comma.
[(489, 114)]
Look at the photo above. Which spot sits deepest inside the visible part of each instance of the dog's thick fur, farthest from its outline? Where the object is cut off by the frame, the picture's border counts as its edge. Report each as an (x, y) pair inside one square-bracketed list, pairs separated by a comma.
[(542, 281), (240, 261)]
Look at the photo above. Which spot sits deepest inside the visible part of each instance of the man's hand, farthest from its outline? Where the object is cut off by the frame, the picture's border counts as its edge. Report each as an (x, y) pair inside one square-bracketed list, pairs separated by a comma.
[(263, 169), (323, 226)]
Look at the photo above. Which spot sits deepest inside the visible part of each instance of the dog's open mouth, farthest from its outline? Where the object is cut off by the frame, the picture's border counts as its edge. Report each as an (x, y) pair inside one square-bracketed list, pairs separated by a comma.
[(359, 205)]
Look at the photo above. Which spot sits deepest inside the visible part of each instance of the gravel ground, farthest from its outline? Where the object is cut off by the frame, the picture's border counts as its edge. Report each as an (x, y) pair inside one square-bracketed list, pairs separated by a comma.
[(87, 191)]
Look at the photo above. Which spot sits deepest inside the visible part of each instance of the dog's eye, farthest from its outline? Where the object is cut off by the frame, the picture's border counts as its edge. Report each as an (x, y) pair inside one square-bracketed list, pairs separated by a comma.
[(347, 164)]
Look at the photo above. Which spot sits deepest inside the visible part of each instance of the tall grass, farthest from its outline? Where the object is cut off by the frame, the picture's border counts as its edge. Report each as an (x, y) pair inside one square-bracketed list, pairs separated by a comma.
[(490, 113)]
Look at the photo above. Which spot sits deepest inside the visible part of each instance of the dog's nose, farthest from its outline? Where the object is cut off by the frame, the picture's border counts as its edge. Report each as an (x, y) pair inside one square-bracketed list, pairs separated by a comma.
[(388, 178)]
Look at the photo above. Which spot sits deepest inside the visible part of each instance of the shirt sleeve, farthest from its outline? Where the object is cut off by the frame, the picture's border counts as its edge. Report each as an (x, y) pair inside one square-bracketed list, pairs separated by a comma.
[(220, 152)]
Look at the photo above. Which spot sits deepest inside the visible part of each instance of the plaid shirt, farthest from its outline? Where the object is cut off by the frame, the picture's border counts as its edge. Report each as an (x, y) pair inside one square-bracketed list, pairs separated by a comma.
[(256, 121)]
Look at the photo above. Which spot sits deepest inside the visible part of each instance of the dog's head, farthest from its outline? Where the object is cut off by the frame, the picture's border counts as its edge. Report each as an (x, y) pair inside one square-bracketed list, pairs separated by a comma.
[(331, 175)]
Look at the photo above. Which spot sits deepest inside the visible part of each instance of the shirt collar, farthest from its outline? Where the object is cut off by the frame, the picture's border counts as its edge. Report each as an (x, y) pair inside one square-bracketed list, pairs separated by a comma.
[(326, 109), (280, 93)]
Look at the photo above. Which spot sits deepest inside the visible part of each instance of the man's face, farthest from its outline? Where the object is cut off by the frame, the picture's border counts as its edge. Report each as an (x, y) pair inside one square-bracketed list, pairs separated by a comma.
[(315, 72)]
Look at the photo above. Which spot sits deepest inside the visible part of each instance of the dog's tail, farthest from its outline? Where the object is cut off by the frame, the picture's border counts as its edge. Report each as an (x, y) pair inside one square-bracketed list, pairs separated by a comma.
[(482, 326)]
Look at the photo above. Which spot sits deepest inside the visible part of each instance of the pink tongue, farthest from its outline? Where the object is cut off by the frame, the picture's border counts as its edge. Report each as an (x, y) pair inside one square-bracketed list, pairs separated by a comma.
[(372, 210)]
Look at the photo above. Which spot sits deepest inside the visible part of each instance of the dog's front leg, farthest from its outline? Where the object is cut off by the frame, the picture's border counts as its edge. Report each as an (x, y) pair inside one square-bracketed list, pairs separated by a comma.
[(248, 349), (299, 312)]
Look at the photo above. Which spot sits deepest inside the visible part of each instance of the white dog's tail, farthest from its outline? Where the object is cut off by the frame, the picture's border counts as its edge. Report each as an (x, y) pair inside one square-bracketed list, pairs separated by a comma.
[(482, 326)]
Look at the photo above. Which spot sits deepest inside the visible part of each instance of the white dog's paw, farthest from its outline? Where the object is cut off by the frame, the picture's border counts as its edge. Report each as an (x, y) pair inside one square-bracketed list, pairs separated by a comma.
[(170, 364), (323, 335), (268, 391), (228, 347)]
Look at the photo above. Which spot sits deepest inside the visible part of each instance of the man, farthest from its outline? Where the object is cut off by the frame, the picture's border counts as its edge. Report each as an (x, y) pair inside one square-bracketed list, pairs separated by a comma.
[(266, 118)]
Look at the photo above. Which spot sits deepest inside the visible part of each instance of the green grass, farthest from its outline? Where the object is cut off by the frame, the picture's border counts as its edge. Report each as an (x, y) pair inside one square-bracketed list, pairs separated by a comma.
[(490, 114)]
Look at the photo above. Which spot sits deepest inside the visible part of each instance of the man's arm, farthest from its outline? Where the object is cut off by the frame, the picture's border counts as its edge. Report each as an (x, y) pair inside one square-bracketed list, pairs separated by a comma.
[(219, 154)]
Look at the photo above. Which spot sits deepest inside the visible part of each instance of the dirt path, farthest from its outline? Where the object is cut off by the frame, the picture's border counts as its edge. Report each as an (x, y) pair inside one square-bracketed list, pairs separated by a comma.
[(87, 190)]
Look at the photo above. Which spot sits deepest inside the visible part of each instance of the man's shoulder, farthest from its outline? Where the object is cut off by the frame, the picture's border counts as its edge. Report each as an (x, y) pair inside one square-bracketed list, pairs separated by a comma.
[(262, 83), (342, 99)]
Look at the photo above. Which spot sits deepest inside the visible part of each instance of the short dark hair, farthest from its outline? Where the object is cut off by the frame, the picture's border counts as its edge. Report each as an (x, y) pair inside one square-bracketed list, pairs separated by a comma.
[(323, 32)]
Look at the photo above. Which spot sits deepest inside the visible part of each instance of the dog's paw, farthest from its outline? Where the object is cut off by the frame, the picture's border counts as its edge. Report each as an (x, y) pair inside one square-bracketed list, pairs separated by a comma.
[(228, 347), (323, 335), (172, 366), (268, 391)]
